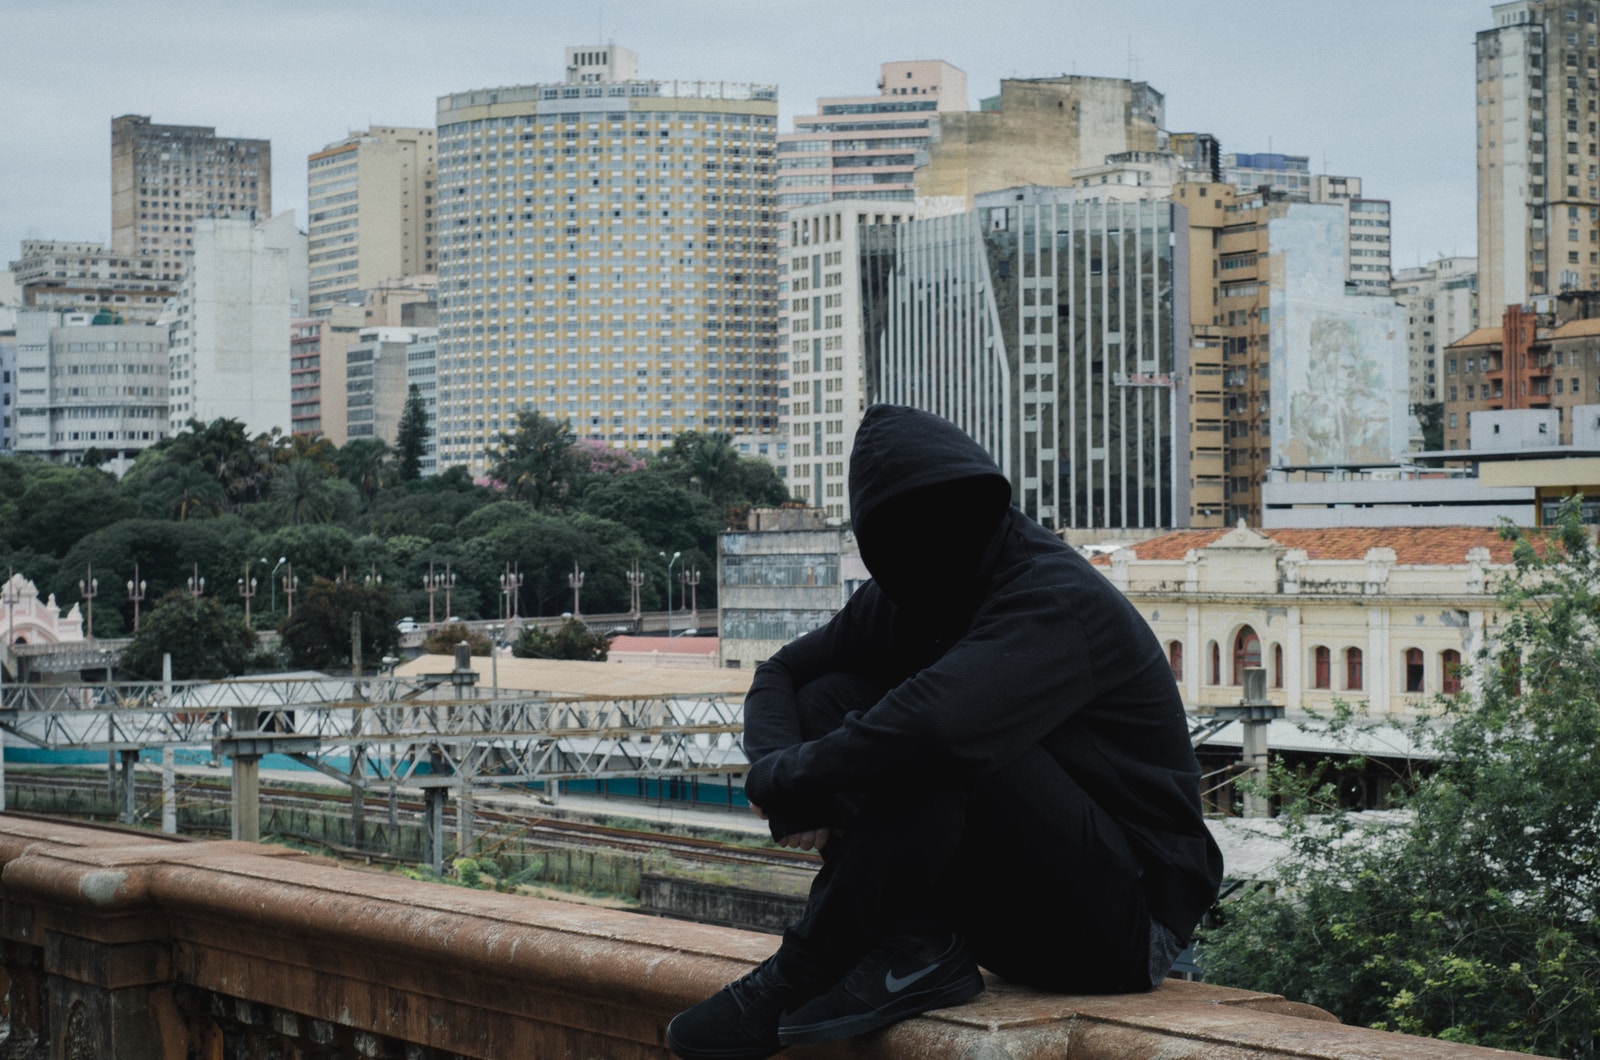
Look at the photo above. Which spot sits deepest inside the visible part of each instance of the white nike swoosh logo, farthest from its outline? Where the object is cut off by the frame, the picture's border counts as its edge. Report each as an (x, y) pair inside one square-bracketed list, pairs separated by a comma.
[(894, 984)]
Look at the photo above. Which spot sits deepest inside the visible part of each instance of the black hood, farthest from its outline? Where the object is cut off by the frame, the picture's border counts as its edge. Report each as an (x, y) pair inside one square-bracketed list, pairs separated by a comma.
[(924, 499)]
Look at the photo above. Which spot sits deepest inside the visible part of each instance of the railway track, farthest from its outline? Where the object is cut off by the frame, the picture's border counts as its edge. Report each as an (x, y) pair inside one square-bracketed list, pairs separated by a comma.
[(532, 828)]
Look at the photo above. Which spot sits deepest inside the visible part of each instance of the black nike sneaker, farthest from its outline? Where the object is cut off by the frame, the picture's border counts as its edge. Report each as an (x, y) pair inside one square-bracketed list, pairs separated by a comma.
[(738, 1022), (891, 983)]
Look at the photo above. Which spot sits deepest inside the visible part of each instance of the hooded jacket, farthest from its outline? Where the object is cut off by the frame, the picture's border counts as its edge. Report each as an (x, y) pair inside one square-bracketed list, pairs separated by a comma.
[(992, 636)]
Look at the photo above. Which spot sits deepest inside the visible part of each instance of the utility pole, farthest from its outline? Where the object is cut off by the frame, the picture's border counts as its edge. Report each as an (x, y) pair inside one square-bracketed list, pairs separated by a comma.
[(358, 752)]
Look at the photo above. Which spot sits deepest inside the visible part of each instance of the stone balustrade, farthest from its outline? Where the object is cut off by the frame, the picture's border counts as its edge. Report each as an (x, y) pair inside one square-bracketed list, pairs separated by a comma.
[(140, 947)]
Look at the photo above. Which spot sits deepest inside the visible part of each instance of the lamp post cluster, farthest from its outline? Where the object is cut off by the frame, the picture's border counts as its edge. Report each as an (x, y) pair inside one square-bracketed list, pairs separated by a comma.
[(511, 591), (89, 588), (432, 583)]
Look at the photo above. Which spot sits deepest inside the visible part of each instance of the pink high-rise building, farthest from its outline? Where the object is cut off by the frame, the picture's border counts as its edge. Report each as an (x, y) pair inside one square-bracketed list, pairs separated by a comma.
[(865, 147)]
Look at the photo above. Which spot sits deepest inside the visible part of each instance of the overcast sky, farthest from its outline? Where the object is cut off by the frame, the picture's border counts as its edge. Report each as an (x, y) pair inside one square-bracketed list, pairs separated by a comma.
[(1370, 88)]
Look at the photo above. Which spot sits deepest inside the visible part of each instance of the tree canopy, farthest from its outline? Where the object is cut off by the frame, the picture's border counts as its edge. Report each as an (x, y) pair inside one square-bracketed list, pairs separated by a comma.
[(1473, 914), (214, 502)]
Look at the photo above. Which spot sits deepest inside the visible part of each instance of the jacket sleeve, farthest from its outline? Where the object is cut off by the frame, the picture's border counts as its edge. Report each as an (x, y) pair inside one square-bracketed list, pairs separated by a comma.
[(1021, 670), (854, 640)]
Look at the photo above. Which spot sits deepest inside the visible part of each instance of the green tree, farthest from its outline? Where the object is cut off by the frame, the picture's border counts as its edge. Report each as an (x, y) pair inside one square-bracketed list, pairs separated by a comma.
[(182, 491), (318, 636), (538, 462), (412, 440), (706, 463), (47, 507), (300, 492), (570, 640), (443, 640), (1474, 914), (364, 463), (204, 639), (1430, 416)]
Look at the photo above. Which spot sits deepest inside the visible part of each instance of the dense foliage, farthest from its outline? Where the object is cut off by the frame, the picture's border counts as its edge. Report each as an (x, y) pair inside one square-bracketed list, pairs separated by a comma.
[(1474, 914), (570, 640), (204, 639), (214, 503)]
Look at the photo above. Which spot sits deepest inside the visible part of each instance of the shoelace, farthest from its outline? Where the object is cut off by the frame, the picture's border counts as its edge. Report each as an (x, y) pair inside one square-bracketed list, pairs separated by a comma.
[(759, 981)]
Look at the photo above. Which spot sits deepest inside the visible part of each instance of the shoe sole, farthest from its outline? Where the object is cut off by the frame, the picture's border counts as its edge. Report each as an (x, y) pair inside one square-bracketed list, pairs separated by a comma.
[(904, 1007)]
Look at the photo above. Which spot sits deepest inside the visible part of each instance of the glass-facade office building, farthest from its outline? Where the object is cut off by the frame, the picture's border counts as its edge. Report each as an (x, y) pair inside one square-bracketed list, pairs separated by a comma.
[(1055, 333)]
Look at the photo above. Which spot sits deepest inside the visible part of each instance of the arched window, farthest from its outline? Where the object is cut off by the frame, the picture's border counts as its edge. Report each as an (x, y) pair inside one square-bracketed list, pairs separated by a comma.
[(1414, 673), (1175, 659), (1352, 669), (1246, 653), (1320, 677), (1450, 671), (1277, 666), (1216, 664)]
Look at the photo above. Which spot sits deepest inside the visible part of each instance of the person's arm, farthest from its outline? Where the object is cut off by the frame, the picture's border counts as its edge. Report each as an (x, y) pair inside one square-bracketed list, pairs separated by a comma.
[(855, 637), (1021, 670)]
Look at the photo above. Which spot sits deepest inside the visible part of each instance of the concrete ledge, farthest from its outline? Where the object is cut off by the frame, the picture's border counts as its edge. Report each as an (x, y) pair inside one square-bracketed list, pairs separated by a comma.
[(139, 947)]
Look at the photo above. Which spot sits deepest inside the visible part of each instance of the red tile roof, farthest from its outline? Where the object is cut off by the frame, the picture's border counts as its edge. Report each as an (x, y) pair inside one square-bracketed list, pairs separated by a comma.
[(1413, 545), (1480, 337)]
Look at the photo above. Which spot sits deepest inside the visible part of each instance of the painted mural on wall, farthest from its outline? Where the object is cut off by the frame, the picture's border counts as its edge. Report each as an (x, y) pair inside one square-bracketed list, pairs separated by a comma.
[(1338, 365)]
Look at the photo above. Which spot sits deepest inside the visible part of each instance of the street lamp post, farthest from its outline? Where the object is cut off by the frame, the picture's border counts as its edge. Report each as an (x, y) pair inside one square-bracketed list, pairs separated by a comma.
[(635, 584), (575, 580), (136, 589), (291, 585), (690, 580), (430, 584), (449, 584), (510, 588), (670, 562), (197, 584), (247, 589), (89, 588), (272, 580)]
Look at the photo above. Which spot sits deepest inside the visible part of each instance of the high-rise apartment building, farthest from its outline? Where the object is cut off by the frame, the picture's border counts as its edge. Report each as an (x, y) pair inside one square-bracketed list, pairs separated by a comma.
[(230, 345), (1290, 364), (1050, 331), (1036, 131), (87, 277), (369, 212), (1367, 243), (1441, 303), (316, 369), (164, 178), (606, 256), (827, 374), (1538, 137), (865, 147), (377, 379), (88, 382)]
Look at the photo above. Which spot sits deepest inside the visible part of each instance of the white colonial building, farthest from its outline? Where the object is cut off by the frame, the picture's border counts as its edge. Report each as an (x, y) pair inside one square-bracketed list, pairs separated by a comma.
[(1380, 617)]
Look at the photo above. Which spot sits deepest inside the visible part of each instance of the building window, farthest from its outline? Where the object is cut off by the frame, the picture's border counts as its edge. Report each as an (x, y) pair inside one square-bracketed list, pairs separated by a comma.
[(1320, 671), (1450, 670), (1246, 653), (1216, 664), (1277, 666), (1414, 674), (1352, 669), (1175, 659)]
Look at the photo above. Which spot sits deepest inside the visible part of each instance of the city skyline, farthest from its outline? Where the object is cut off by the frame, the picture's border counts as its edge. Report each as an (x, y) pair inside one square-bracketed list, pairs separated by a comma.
[(1390, 100)]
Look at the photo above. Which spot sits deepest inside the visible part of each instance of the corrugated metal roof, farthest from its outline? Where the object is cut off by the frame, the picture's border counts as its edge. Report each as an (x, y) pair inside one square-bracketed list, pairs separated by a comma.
[(609, 680)]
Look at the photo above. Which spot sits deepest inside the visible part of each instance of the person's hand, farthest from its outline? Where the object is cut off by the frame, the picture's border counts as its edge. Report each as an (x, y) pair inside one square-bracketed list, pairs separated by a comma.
[(812, 840), (758, 811)]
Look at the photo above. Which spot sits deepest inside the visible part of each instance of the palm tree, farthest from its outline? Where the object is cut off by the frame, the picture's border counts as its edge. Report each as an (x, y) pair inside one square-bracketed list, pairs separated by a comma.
[(300, 492), (365, 463), (186, 490)]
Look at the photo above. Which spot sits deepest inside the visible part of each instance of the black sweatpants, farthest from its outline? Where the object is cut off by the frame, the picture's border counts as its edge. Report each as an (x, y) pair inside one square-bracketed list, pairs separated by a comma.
[(1037, 878)]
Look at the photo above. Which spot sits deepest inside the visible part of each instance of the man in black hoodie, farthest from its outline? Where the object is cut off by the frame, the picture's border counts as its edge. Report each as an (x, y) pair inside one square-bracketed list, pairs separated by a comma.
[(988, 747)]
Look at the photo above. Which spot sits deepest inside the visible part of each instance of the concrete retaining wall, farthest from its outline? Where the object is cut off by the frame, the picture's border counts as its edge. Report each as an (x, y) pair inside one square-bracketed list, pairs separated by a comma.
[(136, 947)]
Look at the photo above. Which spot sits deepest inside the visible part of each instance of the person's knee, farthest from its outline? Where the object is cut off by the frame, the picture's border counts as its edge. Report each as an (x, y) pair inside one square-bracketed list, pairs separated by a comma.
[(823, 703)]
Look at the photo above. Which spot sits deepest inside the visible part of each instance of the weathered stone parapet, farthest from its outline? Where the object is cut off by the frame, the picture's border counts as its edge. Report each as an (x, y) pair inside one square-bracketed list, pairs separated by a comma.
[(142, 948)]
